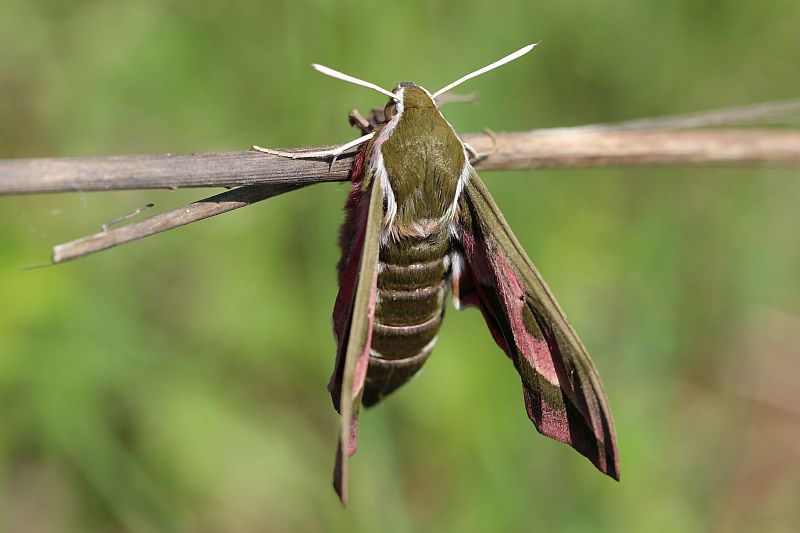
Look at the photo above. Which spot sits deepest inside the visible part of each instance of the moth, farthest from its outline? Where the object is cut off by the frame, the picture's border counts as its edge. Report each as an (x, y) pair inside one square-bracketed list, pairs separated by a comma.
[(420, 224)]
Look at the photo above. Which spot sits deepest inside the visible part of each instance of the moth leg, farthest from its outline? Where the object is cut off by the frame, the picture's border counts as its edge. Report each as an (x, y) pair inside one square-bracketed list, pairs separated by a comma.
[(357, 120), (473, 153), (474, 156), (335, 152)]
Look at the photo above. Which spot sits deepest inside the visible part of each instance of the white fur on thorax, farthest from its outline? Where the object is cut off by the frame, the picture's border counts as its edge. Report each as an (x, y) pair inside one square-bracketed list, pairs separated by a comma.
[(378, 169)]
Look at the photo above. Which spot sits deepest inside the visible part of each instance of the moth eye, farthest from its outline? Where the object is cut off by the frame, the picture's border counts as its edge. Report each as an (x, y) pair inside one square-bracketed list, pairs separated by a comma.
[(390, 110)]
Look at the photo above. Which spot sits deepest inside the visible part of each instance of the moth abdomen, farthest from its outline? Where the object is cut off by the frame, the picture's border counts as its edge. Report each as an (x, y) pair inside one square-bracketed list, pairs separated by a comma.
[(412, 285), (401, 307)]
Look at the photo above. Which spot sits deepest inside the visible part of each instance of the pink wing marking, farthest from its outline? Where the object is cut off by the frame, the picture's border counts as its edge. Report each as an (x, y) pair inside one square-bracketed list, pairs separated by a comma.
[(490, 282)]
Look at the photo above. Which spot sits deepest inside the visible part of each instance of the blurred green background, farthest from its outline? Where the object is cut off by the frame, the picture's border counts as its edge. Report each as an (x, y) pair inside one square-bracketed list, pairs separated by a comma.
[(178, 383)]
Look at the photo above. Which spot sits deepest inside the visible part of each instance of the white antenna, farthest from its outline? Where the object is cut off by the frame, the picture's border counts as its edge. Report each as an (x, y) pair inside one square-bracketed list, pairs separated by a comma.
[(350, 79), (487, 68)]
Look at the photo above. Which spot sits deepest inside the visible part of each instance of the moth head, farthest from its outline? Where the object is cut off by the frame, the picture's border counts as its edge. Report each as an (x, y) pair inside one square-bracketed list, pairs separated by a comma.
[(409, 94)]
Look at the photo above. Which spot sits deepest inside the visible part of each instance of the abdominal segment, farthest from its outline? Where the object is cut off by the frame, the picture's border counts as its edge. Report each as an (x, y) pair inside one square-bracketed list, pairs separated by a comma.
[(412, 285)]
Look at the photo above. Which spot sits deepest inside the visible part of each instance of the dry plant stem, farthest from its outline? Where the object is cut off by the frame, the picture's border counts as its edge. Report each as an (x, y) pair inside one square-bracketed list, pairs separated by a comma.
[(772, 113), (233, 169), (167, 171), (561, 147), (580, 147), (542, 149), (652, 141), (215, 205)]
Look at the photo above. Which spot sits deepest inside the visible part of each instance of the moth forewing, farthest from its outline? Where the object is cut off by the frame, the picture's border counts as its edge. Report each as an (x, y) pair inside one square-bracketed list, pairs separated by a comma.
[(356, 343), (537, 335)]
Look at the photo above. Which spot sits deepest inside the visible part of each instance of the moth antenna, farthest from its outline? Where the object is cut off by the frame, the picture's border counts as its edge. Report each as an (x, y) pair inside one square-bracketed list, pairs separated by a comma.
[(510, 57), (350, 79)]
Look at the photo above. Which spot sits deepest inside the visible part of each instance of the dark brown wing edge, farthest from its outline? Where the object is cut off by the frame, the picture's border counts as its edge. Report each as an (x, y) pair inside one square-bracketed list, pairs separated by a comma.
[(563, 393)]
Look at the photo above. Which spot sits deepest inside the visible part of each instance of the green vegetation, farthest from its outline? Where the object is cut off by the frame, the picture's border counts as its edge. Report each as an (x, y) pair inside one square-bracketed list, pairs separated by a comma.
[(178, 383)]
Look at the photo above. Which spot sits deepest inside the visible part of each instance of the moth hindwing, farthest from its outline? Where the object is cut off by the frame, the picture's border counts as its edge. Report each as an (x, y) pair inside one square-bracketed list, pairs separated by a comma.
[(420, 223)]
